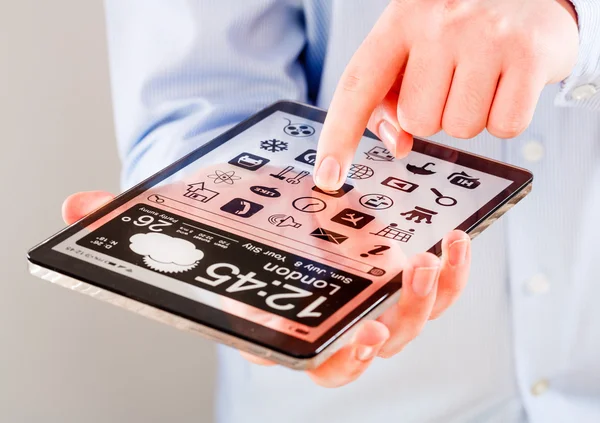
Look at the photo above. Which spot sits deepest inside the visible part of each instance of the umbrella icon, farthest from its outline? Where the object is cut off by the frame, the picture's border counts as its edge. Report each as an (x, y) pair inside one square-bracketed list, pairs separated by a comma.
[(420, 170)]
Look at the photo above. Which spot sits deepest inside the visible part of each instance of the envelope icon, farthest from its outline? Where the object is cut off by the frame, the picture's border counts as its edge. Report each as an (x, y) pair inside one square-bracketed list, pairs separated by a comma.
[(328, 236)]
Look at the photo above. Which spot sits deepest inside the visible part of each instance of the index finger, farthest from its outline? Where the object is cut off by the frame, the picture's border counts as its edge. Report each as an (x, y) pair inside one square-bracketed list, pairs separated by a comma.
[(367, 79)]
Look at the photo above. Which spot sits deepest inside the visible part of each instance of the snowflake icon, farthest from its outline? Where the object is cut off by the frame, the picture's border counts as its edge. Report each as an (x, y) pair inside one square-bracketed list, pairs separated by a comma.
[(274, 146)]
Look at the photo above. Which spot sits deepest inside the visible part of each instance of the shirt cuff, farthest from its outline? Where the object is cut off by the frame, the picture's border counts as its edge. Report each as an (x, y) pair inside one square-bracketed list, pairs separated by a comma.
[(582, 87)]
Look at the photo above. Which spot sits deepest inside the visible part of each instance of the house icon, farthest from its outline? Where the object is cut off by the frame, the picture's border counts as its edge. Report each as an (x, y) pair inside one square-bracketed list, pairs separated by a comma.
[(200, 193)]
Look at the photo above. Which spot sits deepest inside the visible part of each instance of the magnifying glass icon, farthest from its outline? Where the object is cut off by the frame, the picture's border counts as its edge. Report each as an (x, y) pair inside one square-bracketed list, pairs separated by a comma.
[(443, 200)]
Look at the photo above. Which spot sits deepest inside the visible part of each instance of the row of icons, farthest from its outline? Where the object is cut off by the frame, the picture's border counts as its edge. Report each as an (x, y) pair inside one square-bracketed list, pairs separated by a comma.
[(199, 192), (348, 217), (377, 153), (357, 171), (371, 201), (253, 162), (460, 179)]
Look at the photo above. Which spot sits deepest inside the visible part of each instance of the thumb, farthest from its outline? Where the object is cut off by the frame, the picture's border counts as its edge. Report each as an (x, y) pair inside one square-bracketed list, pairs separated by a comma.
[(82, 203)]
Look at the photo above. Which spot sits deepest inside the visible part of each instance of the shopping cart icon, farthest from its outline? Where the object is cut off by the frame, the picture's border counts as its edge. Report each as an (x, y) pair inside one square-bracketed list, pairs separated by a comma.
[(392, 232)]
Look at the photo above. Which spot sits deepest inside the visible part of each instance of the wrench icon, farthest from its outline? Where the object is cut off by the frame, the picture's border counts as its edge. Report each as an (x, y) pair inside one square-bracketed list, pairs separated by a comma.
[(296, 179)]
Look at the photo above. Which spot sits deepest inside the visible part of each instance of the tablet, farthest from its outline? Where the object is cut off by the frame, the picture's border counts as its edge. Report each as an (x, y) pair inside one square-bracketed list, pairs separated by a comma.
[(234, 241)]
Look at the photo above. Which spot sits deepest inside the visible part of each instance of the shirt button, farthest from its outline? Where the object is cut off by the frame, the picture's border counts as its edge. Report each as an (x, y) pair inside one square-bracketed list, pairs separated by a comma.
[(538, 284), (533, 151), (540, 388), (583, 92)]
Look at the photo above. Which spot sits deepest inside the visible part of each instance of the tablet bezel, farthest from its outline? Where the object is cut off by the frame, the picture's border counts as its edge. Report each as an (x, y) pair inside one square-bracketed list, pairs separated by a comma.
[(44, 255)]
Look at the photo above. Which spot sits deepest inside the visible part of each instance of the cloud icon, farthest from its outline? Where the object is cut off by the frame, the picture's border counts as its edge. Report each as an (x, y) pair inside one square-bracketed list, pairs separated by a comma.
[(164, 253)]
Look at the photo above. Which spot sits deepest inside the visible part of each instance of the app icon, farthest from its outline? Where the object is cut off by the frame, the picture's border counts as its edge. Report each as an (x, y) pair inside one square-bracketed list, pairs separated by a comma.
[(464, 180), (220, 177), (346, 188), (419, 214), (283, 221), (420, 170), (285, 175), (360, 171), (328, 236), (274, 146), (242, 208), (265, 191), (200, 193), (298, 129), (379, 154), (164, 253), (156, 199), (249, 161), (377, 251), (400, 184), (376, 201), (309, 204), (352, 218), (444, 200), (309, 157), (391, 231)]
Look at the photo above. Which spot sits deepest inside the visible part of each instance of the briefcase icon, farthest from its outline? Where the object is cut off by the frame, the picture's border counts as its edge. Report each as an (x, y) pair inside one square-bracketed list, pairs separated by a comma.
[(329, 236)]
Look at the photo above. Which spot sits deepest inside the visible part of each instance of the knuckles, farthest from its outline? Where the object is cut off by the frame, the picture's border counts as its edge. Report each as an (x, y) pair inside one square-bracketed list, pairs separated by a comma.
[(525, 48), (470, 24), (508, 124), (462, 129), (420, 126), (507, 128), (351, 81), (467, 117)]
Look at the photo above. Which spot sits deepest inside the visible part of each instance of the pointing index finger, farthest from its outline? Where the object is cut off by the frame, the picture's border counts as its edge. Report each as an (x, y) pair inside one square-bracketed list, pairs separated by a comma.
[(367, 79)]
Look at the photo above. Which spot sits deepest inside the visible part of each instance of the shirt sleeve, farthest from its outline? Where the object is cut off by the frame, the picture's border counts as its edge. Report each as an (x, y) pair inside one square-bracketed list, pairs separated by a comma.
[(184, 71), (582, 87)]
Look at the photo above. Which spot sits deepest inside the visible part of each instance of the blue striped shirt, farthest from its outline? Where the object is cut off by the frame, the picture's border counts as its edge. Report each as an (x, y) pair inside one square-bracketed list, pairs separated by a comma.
[(523, 342)]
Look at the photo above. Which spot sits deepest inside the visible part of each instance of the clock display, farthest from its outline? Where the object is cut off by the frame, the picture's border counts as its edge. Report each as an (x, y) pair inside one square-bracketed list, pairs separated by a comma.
[(284, 284)]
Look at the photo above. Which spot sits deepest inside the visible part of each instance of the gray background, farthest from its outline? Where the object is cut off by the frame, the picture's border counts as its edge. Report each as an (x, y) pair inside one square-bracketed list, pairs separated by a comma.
[(65, 357)]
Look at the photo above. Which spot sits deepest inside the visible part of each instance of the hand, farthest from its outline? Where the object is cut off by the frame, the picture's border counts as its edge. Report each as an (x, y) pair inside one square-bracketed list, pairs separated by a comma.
[(430, 285), (457, 65)]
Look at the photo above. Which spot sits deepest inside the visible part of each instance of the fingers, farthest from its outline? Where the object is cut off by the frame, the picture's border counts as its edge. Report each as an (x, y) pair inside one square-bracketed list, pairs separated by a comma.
[(470, 99), (429, 287), (406, 319), (384, 124), (424, 90), (515, 101), (362, 87), (80, 204), (456, 263), (347, 364)]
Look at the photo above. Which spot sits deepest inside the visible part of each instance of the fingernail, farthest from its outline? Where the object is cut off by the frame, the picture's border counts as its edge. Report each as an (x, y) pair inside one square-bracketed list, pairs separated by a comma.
[(389, 136), (457, 253), (364, 352), (423, 280), (328, 173)]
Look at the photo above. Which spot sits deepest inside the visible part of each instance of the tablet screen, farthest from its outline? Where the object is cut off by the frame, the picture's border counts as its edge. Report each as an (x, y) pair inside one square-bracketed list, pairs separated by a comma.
[(242, 228)]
